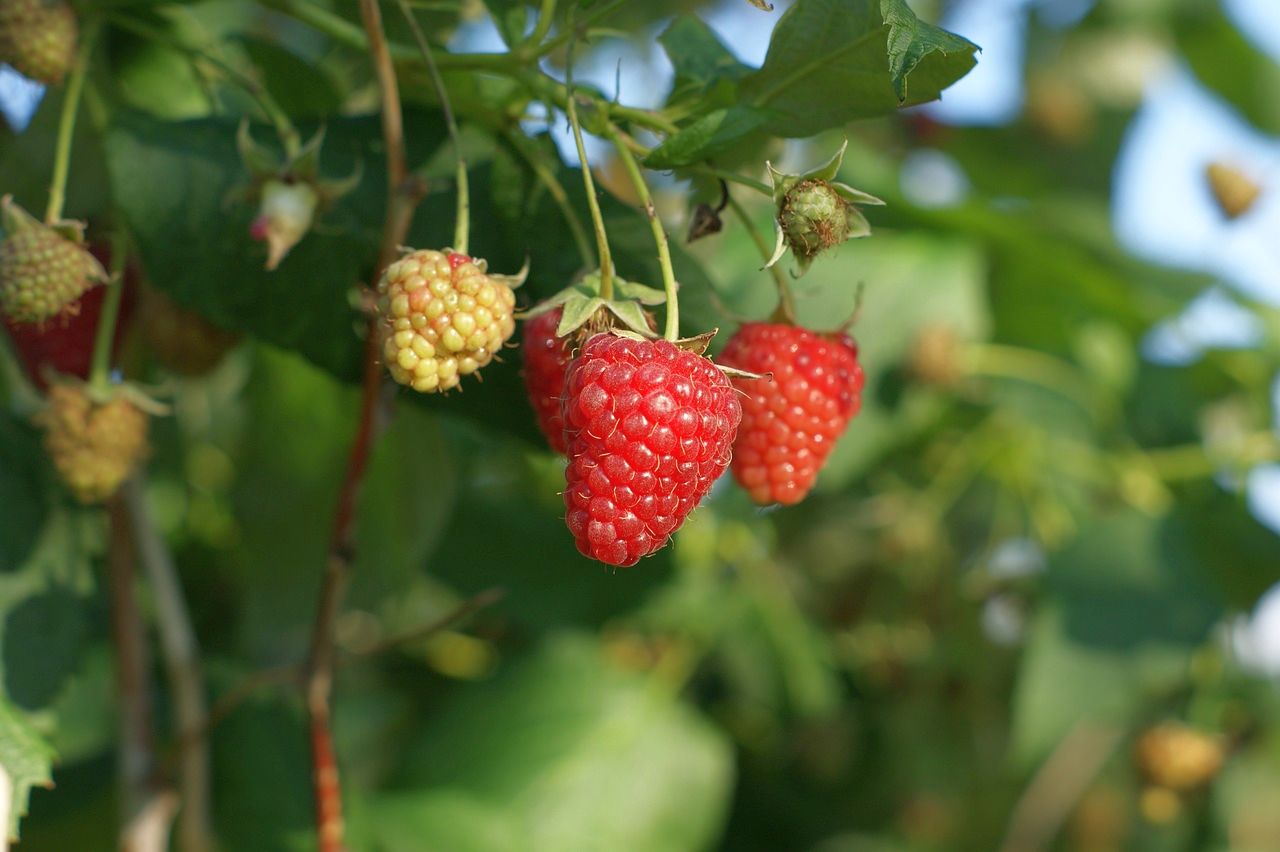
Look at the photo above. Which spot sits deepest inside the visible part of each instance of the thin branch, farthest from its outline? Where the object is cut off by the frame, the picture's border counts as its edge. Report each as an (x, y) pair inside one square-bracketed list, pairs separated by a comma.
[(672, 328), (292, 675), (450, 619), (181, 654), (526, 149), (1057, 786), (403, 194), (462, 222), (145, 810), (67, 124), (786, 304), (593, 201)]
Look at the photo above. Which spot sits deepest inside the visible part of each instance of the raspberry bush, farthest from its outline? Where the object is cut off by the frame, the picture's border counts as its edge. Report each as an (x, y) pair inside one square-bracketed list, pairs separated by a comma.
[(340, 379)]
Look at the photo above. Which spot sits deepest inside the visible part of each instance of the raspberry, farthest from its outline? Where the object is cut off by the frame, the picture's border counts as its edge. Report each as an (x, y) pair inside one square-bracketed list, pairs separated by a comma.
[(442, 318), (1178, 757), (42, 273), (182, 340), (38, 38), (792, 417), (546, 359), (814, 217), (649, 428), (93, 445)]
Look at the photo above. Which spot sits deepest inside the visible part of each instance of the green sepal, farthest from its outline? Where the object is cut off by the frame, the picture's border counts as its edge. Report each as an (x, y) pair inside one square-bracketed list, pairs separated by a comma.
[(631, 315), (14, 218), (578, 309), (856, 196), (305, 162), (582, 300), (512, 281), (260, 161), (331, 190)]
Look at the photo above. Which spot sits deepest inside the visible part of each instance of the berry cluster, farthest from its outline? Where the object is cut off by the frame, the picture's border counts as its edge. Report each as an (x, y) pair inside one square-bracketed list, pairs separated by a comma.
[(648, 427)]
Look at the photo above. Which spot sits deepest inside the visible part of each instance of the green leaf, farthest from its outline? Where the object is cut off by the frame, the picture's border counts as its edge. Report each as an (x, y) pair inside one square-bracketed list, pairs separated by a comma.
[(699, 58), (1224, 60), (706, 136), (912, 45), (573, 754), (829, 62), (26, 761), (833, 61)]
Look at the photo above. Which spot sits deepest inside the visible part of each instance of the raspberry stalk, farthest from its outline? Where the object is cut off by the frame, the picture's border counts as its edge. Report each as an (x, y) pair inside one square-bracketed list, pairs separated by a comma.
[(593, 201), (671, 330), (462, 222), (100, 366), (67, 125)]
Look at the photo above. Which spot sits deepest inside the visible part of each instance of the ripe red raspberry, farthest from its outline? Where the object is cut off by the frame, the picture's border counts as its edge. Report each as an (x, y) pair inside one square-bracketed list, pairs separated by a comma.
[(791, 418), (442, 318), (38, 38), (649, 428), (546, 358)]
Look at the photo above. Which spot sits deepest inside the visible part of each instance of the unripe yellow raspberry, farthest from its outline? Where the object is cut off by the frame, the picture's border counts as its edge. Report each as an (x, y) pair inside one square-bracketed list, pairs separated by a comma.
[(93, 445), (1178, 757), (442, 318)]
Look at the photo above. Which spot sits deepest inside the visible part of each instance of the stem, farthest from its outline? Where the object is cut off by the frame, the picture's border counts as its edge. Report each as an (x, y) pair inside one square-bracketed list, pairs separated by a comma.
[(463, 221), (522, 145), (144, 809), (786, 311), (672, 328), (593, 201), (403, 194), (515, 65), (67, 125), (546, 14), (1057, 786), (181, 654), (590, 18), (104, 337), (734, 177)]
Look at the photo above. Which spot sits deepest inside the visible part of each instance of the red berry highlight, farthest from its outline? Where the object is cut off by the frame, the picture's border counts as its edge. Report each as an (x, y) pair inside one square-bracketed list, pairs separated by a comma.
[(792, 418), (649, 427), (546, 360)]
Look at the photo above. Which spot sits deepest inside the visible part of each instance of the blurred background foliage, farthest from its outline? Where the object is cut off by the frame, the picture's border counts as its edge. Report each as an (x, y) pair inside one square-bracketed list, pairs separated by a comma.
[(1025, 608)]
